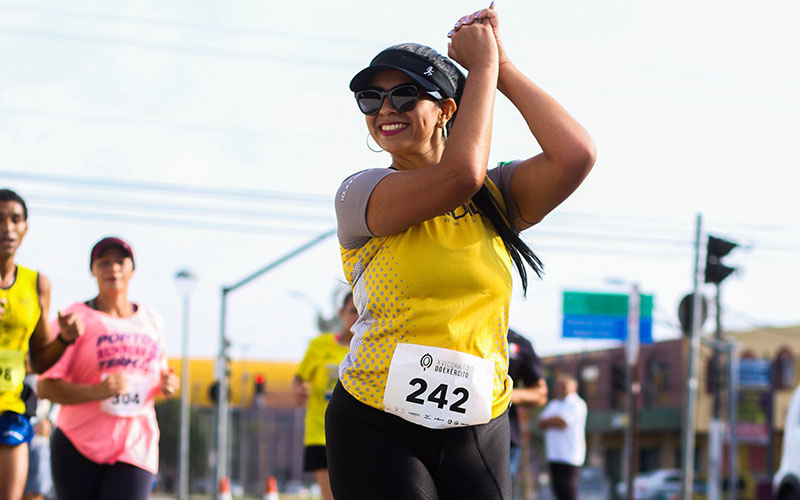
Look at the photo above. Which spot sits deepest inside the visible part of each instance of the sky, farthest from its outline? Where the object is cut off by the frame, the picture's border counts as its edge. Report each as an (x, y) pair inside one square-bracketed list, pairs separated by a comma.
[(212, 136)]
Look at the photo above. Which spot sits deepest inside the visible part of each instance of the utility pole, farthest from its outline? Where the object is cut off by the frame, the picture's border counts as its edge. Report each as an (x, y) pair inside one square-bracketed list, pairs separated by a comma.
[(716, 272), (690, 414), (632, 372), (733, 419), (715, 427)]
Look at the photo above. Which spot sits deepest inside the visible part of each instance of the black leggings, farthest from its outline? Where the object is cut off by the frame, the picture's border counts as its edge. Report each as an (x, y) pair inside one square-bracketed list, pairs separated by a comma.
[(373, 454), (78, 478)]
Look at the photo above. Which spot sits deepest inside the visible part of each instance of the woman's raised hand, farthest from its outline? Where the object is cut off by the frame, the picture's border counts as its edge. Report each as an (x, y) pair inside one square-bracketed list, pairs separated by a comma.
[(486, 16), (473, 45)]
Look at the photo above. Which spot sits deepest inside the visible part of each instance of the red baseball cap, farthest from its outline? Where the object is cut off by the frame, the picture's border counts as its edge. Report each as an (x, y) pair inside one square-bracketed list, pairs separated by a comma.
[(109, 242)]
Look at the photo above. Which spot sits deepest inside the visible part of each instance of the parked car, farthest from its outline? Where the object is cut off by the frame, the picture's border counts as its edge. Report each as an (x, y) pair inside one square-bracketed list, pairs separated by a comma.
[(652, 485), (786, 482), (593, 484)]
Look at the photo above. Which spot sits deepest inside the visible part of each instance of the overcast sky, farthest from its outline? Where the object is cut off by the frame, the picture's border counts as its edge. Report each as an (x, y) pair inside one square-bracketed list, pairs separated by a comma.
[(212, 135)]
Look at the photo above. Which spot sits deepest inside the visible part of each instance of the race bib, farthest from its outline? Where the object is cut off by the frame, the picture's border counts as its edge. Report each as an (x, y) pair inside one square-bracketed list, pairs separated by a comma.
[(12, 369), (332, 370), (129, 403), (439, 388)]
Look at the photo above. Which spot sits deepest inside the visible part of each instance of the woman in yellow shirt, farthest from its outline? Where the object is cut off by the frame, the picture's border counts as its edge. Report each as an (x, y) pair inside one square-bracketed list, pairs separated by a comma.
[(316, 377), (427, 246)]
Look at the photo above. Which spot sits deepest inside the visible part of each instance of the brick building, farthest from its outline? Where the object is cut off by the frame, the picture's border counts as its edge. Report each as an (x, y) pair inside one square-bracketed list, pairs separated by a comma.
[(662, 372)]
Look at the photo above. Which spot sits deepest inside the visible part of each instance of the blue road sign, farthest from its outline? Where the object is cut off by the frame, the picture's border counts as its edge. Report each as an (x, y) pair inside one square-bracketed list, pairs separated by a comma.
[(754, 373)]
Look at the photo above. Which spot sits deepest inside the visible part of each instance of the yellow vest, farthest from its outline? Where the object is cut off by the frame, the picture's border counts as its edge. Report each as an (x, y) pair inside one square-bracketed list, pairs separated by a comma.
[(445, 282), (22, 313)]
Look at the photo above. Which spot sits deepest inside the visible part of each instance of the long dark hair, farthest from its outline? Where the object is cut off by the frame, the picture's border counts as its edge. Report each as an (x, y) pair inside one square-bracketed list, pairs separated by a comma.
[(519, 251)]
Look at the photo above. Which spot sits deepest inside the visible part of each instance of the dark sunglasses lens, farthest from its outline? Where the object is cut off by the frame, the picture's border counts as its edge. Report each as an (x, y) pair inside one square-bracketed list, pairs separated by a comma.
[(369, 101), (404, 98)]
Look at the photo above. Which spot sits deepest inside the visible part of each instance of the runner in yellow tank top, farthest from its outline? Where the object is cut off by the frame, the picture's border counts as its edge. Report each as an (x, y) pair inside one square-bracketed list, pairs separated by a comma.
[(316, 377), (427, 246), (24, 304)]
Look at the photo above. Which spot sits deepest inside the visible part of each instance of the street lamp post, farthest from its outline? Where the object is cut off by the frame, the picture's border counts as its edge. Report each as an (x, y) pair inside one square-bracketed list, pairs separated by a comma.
[(185, 280)]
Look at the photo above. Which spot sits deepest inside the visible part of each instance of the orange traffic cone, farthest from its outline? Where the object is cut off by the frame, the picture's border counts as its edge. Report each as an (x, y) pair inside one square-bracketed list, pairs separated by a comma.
[(271, 489), (225, 489)]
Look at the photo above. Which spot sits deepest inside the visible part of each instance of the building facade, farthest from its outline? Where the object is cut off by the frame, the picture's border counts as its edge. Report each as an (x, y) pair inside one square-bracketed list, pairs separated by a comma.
[(662, 372)]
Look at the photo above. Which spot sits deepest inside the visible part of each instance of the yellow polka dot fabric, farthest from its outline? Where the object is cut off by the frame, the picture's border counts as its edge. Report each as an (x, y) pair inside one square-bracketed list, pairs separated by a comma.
[(445, 282)]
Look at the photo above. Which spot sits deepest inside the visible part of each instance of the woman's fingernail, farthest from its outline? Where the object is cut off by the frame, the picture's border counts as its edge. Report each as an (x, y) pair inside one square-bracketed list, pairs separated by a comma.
[(491, 4), (449, 33)]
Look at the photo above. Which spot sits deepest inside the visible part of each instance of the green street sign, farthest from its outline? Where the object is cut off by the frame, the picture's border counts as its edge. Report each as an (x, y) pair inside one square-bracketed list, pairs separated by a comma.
[(603, 304)]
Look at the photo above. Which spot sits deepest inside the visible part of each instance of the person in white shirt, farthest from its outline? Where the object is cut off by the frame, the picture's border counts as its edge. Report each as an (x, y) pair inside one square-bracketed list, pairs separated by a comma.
[(563, 421)]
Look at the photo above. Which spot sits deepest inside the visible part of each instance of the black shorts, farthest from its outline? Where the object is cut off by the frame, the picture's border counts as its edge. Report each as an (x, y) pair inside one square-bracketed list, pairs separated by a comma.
[(373, 454), (314, 458)]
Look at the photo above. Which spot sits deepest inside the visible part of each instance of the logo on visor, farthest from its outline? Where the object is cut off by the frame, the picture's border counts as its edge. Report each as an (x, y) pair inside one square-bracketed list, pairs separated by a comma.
[(429, 71)]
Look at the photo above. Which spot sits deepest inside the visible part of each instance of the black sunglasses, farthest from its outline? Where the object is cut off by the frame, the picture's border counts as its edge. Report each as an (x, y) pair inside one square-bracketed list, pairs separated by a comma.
[(403, 98)]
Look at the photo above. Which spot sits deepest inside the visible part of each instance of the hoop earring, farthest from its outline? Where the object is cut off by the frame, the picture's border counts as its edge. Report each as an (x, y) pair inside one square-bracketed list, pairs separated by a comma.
[(444, 134), (379, 150)]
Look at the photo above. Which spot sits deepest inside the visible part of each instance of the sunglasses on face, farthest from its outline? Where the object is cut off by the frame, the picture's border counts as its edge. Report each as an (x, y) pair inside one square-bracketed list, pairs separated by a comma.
[(403, 98)]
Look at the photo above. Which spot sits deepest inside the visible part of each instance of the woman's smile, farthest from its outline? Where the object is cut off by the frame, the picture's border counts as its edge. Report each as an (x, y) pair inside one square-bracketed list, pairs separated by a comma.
[(392, 128)]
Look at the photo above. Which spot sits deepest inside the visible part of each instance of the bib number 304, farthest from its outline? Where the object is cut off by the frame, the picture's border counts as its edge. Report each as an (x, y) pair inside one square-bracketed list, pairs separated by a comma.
[(129, 403), (438, 388)]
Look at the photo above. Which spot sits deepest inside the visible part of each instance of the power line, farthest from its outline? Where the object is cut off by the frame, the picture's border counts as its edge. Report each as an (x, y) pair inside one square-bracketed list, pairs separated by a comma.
[(133, 121), (318, 202), (171, 23), (607, 236), (180, 209), (210, 191), (61, 213), (191, 50)]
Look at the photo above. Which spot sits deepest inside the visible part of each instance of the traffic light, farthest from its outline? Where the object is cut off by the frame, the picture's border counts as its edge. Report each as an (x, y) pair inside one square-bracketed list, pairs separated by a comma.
[(213, 392), (618, 378), (618, 388), (260, 386), (716, 249)]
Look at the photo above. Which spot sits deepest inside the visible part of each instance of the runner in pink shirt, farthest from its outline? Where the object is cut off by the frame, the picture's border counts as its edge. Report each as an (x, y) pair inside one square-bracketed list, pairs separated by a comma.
[(105, 445)]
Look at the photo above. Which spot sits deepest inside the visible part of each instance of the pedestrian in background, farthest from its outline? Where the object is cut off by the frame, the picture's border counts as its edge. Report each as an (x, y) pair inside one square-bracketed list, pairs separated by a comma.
[(563, 421), (316, 377), (530, 389)]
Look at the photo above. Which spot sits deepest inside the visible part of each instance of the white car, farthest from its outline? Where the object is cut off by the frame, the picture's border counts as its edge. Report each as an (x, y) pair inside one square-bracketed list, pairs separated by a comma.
[(786, 483), (647, 484)]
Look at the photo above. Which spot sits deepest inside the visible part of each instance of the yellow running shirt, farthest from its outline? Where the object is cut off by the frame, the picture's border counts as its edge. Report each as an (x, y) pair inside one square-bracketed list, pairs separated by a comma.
[(22, 312), (320, 367), (424, 296)]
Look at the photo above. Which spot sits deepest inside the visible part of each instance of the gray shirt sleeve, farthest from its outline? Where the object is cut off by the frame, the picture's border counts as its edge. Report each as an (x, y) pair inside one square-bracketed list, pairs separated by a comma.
[(351, 206), (501, 176)]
